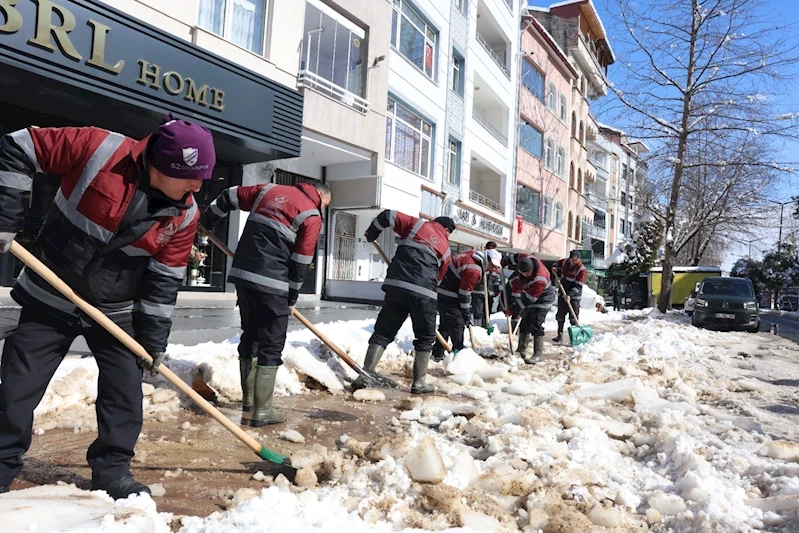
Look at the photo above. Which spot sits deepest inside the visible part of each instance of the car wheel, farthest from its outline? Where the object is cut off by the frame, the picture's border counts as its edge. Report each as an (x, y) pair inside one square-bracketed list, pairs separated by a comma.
[(754, 329), (689, 313)]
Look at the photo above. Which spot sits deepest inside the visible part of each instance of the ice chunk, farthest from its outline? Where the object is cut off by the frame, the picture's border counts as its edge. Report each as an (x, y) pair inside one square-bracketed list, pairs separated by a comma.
[(612, 427), (627, 498), (653, 516), (291, 435), (604, 517), (667, 504), (413, 414), (369, 395), (309, 457), (478, 521), (493, 372), (306, 477), (647, 400), (424, 463), (466, 362), (618, 391), (749, 385), (396, 446), (462, 379), (781, 449), (788, 502), (162, 395), (521, 387)]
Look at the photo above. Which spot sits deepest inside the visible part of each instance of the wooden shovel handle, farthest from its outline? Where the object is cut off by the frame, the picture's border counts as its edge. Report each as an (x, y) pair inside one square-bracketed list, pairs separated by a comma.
[(568, 303), (441, 339), (95, 314), (505, 301)]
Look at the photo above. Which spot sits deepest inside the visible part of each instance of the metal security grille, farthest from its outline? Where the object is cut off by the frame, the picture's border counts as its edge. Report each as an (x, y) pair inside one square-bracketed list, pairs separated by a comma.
[(343, 265), (283, 177)]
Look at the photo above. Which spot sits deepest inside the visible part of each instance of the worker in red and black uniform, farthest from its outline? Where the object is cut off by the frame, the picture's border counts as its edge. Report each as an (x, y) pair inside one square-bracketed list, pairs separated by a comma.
[(422, 258), (272, 258), (510, 262), (572, 274), (534, 294), (455, 295), (119, 233), (479, 298)]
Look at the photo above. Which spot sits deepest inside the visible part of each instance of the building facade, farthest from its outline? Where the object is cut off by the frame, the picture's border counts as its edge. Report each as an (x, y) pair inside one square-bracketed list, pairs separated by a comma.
[(448, 131), (123, 64)]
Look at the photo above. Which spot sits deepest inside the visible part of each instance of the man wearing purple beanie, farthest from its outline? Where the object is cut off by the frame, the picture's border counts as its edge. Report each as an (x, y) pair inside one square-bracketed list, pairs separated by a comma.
[(119, 233)]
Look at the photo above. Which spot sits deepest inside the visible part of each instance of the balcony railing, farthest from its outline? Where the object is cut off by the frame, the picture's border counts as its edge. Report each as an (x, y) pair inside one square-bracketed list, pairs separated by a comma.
[(596, 199), (509, 3), (486, 202), (589, 230), (490, 127), (499, 60), (311, 81)]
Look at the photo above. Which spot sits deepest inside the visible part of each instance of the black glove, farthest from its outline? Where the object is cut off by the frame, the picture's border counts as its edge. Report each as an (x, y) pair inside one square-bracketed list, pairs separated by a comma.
[(467, 319), (6, 238), (208, 219), (158, 358), (293, 295)]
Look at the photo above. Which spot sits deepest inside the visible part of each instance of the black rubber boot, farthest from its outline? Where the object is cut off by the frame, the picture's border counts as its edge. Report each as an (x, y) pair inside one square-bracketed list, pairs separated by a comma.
[(121, 488), (420, 385), (521, 349), (538, 351), (264, 414), (247, 371), (3, 488), (559, 336), (373, 355)]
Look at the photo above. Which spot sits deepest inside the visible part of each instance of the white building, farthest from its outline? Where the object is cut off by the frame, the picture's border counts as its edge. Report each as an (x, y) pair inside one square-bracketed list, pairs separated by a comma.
[(448, 134)]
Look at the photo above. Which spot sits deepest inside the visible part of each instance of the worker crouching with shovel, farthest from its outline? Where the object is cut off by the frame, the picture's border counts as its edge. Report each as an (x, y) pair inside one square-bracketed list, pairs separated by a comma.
[(422, 258), (534, 294)]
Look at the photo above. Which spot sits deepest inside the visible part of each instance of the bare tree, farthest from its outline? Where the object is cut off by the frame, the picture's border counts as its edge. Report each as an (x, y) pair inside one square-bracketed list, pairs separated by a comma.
[(703, 73)]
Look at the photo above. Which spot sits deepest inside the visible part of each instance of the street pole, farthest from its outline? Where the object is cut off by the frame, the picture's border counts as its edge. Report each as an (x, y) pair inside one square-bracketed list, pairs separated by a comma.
[(779, 240)]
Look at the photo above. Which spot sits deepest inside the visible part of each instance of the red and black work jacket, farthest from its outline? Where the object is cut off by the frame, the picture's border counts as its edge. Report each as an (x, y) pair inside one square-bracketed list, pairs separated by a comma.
[(465, 271), (511, 262), (422, 256), (572, 277), (536, 291), (121, 246), (279, 240)]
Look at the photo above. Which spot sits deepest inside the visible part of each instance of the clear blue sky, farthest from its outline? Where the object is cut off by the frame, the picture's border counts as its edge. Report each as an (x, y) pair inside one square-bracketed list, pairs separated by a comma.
[(780, 10)]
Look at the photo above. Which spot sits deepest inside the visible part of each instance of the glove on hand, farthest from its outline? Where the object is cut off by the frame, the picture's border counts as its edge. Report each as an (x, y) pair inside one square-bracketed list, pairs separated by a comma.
[(293, 296), (158, 358), (6, 238)]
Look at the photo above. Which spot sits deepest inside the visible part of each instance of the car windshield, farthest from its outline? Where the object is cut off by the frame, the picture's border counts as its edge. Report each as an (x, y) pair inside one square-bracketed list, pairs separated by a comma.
[(728, 287)]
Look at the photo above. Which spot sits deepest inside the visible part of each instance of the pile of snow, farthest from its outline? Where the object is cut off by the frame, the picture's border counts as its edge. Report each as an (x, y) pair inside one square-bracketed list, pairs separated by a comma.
[(626, 432)]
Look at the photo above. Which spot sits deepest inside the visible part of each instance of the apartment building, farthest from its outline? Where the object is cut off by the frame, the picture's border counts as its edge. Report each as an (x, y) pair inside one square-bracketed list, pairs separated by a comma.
[(575, 27), (448, 133), (228, 64)]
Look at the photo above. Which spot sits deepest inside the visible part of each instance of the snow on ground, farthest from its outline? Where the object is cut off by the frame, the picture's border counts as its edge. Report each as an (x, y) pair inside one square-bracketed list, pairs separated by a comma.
[(648, 426)]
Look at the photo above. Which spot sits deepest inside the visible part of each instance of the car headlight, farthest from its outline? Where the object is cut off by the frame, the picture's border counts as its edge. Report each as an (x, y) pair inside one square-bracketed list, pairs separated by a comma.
[(750, 305), (700, 302)]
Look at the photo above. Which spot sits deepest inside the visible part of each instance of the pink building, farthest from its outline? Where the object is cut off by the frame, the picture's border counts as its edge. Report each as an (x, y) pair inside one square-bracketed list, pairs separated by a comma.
[(543, 153)]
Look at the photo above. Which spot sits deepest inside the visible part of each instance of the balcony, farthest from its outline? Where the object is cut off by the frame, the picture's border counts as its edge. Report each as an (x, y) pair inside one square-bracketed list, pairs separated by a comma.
[(309, 80), (589, 230), (484, 122), (495, 55), (492, 38), (486, 186), (595, 197), (586, 54)]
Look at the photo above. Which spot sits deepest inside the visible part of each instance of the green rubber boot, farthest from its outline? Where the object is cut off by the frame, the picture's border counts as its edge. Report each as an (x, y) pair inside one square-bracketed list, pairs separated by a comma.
[(247, 371), (373, 355), (538, 351), (521, 349), (264, 414), (420, 385)]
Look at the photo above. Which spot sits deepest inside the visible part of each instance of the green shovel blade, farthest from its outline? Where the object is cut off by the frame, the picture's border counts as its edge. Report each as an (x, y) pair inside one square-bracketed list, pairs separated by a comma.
[(580, 335)]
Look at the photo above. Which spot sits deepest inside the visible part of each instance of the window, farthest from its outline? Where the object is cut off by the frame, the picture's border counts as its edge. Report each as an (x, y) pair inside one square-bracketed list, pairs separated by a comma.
[(549, 154), (242, 22), (621, 226), (546, 216), (527, 204), (559, 216), (574, 124), (454, 176), (564, 112), (623, 199), (579, 180), (630, 227), (581, 136), (333, 48), (577, 228), (571, 175), (571, 226), (413, 37), (560, 163), (631, 202), (533, 79), (457, 73), (532, 140), (552, 97), (461, 5), (408, 139)]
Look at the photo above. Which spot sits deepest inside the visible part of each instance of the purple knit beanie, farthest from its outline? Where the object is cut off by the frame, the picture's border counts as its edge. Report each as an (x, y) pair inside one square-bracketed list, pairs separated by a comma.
[(181, 149)]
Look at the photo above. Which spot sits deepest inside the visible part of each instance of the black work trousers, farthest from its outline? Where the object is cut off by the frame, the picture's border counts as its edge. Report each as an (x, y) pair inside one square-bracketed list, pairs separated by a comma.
[(264, 322), (451, 325), (563, 311), (397, 305), (31, 356), (533, 321), (478, 309)]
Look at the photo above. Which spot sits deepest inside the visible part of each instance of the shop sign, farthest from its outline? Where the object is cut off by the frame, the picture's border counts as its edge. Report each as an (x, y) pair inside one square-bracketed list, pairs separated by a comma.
[(480, 223), (88, 44)]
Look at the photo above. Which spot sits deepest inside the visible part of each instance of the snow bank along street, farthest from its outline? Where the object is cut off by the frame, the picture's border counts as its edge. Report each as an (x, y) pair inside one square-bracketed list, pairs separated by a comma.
[(654, 425)]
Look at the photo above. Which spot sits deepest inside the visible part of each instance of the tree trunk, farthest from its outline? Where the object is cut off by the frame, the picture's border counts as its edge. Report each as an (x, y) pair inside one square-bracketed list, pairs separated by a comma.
[(671, 211)]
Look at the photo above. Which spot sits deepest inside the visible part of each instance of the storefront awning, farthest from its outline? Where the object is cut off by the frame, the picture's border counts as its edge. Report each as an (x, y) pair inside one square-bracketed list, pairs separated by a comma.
[(94, 65)]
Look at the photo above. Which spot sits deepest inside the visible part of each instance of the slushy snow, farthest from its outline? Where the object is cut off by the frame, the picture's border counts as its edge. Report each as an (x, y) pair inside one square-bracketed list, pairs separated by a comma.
[(650, 426)]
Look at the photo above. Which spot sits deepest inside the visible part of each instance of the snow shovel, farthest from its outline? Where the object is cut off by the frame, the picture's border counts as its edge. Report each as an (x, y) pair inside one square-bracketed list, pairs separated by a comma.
[(489, 327), (373, 379), (505, 303), (131, 344), (441, 339), (577, 334)]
